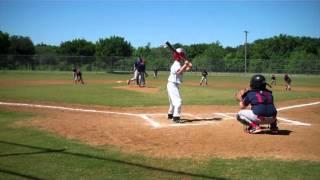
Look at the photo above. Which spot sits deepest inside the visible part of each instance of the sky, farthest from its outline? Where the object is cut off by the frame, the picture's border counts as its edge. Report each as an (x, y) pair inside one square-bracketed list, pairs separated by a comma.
[(141, 22)]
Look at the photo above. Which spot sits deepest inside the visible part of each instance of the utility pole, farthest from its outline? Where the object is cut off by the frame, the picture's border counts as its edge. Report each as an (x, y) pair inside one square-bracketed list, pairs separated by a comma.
[(245, 52)]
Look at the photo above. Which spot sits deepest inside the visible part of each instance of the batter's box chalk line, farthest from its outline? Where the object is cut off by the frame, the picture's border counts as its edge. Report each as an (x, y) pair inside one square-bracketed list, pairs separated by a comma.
[(156, 124)]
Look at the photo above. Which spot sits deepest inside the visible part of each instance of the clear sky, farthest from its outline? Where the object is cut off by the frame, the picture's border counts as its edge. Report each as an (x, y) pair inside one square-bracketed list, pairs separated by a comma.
[(140, 22)]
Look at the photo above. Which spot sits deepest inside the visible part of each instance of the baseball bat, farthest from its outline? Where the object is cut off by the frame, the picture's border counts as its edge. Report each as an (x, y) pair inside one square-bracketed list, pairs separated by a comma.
[(170, 47)]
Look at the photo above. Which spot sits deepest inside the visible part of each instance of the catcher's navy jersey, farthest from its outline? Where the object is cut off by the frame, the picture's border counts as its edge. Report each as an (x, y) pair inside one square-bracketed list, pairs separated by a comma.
[(261, 102)]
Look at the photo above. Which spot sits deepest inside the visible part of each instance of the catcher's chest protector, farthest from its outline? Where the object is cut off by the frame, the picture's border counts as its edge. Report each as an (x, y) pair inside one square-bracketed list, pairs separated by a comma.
[(261, 97)]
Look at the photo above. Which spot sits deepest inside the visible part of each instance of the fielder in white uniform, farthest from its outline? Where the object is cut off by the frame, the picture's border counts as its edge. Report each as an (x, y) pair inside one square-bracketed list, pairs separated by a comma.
[(174, 81)]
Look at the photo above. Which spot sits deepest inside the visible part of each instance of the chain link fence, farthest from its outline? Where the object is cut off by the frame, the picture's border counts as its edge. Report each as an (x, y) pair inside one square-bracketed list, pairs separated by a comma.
[(109, 64)]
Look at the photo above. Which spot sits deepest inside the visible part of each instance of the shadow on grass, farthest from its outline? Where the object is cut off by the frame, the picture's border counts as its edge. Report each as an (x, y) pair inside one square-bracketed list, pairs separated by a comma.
[(120, 72), (5, 171), (63, 151), (202, 119)]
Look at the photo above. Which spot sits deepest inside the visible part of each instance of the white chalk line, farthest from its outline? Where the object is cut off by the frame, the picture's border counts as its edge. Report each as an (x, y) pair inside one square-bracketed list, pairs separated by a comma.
[(225, 115), (291, 122), (146, 117), (67, 108), (152, 121), (297, 106)]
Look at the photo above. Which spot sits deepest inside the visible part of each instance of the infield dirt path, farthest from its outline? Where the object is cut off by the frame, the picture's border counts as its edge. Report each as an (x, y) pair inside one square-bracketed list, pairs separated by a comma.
[(222, 138)]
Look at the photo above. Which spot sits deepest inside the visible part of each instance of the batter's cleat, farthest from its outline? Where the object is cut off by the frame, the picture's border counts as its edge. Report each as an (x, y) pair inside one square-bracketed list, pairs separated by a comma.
[(176, 119), (170, 116), (128, 82), (274, 128), (255, 130)]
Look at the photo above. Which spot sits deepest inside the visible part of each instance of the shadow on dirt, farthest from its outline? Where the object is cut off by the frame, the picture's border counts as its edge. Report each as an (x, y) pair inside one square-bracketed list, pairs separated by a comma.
[(280, 133), (196, 120)]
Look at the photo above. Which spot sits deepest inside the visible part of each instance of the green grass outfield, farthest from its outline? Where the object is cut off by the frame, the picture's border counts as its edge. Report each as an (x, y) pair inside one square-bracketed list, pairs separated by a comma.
[(28, 153), (105, 94)]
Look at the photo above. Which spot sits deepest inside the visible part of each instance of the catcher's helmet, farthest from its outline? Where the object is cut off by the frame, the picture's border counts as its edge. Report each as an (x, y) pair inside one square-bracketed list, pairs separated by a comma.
[(258, 82)]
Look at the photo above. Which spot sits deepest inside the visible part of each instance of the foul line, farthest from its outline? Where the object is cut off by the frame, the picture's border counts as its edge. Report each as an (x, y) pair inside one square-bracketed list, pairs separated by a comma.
[(292, 122), (151, 121), (154, 123), (297, 106), (225, 115), (67, 108)]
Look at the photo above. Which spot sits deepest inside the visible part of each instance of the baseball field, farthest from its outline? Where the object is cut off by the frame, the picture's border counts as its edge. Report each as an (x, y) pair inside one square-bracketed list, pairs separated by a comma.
[(51, 128)]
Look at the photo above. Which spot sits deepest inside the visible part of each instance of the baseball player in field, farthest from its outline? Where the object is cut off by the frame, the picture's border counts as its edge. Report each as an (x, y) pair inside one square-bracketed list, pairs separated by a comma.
[(135, 71), (141, 73), (262, 109), (273, 80), (74, 70), (78, 77), (287, 81), (204, 77), (175, 79)]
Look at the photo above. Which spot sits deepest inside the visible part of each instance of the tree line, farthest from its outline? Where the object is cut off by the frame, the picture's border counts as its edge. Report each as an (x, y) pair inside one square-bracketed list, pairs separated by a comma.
[(278, 54)]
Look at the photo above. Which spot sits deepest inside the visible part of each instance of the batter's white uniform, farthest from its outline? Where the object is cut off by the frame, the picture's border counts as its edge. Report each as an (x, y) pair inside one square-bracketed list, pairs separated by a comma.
[(174, 81)]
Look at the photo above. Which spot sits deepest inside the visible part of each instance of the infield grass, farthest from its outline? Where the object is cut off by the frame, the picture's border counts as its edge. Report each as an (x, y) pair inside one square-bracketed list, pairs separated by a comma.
[(100, 89)]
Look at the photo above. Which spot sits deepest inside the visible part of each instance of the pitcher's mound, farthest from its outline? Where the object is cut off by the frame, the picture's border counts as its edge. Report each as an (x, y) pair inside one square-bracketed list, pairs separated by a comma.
[(137, 88)]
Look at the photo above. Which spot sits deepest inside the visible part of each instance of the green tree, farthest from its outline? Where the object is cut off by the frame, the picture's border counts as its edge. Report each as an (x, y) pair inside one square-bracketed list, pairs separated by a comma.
[(45, 49), (143, 51), (20, 50), (212, 57), (76, 53), (196, 49), (21, 45), (77, 47), (159, 57), (113, 46), (47, 58), (4, 43)]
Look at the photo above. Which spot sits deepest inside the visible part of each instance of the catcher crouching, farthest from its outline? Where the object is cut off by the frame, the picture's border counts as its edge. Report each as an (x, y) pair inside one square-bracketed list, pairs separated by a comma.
[(262, 109)]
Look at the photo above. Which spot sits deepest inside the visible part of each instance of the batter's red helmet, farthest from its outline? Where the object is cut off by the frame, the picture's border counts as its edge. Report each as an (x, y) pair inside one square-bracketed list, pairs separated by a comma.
[(181, 54)]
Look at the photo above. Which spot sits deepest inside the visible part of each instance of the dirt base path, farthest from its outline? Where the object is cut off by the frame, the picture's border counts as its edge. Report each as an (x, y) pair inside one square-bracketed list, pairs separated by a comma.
[(213, 136)]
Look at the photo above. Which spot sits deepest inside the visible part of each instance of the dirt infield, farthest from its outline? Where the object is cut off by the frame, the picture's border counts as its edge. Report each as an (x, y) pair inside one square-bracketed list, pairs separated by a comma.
[(139, 89), (209, 136)]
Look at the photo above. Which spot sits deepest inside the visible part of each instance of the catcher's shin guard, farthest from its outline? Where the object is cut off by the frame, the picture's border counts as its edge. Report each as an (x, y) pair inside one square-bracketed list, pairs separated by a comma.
[(242, 121), (246, 124)]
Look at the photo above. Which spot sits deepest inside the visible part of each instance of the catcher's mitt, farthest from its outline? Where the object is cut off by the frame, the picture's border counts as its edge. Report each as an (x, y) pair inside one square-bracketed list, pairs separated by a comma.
[(239, 95)]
